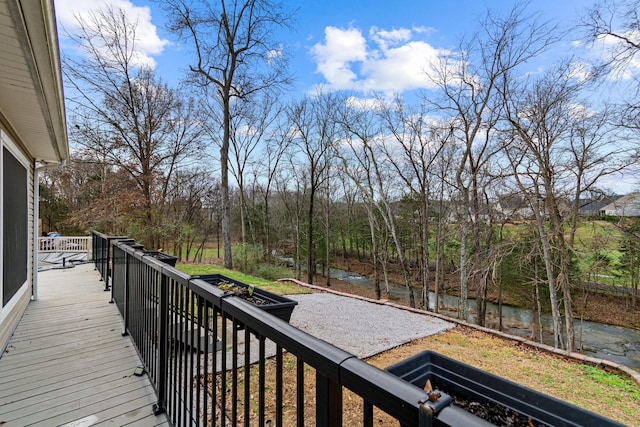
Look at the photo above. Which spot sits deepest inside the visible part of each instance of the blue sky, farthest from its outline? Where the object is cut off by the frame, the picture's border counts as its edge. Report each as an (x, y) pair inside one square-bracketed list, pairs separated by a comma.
[(359, 44)]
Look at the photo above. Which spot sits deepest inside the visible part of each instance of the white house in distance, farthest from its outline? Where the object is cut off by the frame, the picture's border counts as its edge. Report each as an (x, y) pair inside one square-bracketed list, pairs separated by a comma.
[(33, 136), (625, 206)]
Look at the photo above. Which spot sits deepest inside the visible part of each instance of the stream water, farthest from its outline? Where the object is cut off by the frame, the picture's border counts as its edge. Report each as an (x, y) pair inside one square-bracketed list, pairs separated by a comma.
[(614, 343)]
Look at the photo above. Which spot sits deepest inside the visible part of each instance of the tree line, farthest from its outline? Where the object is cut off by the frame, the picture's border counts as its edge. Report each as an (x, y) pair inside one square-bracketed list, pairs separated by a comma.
[(427, 181)]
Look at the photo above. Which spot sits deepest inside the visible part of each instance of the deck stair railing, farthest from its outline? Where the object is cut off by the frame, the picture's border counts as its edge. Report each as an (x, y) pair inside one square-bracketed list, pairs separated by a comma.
[(69, 244), (215, 359)]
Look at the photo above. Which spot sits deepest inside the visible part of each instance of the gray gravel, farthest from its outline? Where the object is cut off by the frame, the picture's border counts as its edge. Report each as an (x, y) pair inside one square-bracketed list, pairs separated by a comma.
[(359, 327), (362, 328)]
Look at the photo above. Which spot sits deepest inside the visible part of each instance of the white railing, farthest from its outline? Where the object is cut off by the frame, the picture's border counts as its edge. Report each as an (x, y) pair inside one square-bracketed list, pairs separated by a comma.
[(64, 244)]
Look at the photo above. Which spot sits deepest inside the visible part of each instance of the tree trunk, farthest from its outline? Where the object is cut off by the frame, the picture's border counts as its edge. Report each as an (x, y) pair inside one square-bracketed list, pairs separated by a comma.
[(551, 280), (425, 251), (328, 236), (463, 303), (224, 180), (311, 268), (374, 253)]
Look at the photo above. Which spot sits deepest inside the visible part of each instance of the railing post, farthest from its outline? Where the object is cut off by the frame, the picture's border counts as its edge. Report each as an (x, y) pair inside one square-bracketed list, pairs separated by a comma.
[(107, 269), (328, 401), (103, 258), (163, 360), (90, 249), (127, 271), (94, 250)]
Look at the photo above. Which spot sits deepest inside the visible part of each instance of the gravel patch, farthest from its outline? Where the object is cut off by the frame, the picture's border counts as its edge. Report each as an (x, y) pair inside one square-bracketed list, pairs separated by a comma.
[(359, 327)]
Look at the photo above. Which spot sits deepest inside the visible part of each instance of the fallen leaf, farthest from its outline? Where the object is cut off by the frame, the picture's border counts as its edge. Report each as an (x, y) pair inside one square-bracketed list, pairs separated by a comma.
[(428, 387)]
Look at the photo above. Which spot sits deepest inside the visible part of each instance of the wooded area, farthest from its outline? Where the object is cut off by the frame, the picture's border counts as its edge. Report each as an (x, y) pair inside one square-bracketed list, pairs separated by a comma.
[(486, 175)]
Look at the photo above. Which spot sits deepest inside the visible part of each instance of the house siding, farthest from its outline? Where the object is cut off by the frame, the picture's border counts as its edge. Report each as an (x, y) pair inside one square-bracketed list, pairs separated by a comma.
[(33, 130), (625, 206)]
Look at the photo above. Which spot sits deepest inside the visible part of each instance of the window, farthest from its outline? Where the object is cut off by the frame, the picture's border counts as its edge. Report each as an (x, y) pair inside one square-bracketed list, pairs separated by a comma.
[(14, 225)]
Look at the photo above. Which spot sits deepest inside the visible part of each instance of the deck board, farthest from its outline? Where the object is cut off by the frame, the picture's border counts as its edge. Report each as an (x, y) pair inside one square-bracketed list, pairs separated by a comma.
[(67, 362)]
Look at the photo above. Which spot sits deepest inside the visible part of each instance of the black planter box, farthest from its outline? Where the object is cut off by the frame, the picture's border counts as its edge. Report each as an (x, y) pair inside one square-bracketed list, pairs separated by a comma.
[(132, 243), (465, 381), (161, 256), (274, 304)]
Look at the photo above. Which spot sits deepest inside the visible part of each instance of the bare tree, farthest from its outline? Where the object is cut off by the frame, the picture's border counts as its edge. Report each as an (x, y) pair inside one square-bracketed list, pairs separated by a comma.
[(291, 183), (361, 129), (618, 20), (124, 113), (415, 144), (559, 149), (235, 54), (374, 174), (314, 135), (250, 122), (274, 151), (469, 81), (614, 25)]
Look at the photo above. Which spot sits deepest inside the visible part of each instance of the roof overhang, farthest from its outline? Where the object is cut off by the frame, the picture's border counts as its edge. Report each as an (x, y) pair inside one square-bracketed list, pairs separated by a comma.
[(31, 93)]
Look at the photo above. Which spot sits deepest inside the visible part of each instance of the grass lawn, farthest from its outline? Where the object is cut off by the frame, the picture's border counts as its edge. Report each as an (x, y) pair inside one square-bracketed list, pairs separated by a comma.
[(281, 288)]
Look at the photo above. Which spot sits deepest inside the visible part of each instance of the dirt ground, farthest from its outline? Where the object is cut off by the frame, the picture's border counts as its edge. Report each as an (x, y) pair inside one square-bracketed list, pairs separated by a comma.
[(596, 307)]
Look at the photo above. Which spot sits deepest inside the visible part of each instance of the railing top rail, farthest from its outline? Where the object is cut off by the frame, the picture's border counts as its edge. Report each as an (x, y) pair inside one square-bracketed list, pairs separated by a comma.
[(167, 270), (106, 236)]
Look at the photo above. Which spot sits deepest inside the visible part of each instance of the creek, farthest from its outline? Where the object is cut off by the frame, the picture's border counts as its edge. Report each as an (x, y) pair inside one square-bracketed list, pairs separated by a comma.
[(614, 343)]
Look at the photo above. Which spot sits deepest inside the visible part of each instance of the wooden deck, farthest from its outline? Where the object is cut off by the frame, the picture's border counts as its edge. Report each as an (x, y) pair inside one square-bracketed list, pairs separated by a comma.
[(67, 363)]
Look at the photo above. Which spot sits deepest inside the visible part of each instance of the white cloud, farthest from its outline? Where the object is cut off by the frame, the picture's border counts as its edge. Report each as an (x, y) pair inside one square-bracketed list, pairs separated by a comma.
[(401, 68), (335, 57), (390, 61), (148, 42), (364, 103), (386, 38)]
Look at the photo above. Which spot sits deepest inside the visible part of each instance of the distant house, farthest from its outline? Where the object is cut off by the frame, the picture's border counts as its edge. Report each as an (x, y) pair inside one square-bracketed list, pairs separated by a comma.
[(594, 207), (33, 136), (514, 208), (625, 206)]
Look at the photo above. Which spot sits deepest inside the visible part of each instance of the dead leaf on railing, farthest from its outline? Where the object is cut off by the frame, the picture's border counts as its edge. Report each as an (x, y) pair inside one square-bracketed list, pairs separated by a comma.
[(428, 387)]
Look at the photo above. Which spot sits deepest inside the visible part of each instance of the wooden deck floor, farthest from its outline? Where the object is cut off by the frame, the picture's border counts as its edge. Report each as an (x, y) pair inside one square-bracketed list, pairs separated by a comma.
[(67, 363)]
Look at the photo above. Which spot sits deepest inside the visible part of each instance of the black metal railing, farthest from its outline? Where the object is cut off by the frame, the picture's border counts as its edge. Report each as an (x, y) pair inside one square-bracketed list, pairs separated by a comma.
[(215, 359), (101, 246)]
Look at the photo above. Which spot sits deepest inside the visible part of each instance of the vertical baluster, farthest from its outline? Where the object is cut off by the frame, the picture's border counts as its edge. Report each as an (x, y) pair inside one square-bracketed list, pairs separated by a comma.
[(261, 382), (193, 348), (223, 373), (214, 370), (234, 374), (300, 392), (328, 401), (247, 376), (279, 374), (163, 361)]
